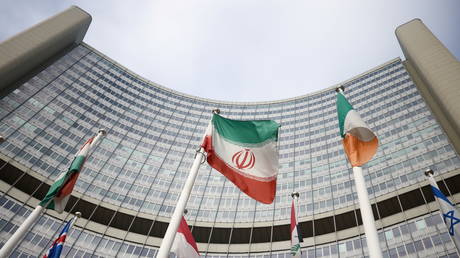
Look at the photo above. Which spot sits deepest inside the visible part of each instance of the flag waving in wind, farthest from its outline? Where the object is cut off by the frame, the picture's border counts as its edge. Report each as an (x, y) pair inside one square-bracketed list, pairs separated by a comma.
[(359, 142), (296, 238), (246, 153), (184, 245), (449, 212), (56, 247), (59, 192)]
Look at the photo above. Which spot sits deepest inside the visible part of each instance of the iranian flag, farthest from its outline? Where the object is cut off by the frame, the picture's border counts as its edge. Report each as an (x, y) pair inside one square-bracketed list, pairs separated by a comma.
[(359, 142), (295, 234), (246, 153), (59, 192), (184, 245)]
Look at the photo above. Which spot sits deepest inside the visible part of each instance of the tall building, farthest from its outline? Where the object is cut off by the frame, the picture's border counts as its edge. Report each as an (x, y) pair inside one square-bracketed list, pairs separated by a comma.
[(57, 91)]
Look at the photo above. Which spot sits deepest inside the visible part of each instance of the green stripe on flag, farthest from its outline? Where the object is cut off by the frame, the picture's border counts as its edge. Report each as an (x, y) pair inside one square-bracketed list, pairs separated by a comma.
[(50, 206), (75, 167), (343, 107), (77, 163), (251, 132), (53, 191)]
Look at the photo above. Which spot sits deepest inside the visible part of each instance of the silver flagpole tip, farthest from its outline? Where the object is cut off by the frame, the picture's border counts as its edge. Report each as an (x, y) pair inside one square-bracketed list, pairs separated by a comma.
[(102, 131), (429, 172), (2, 139), (216, 111), (295, 194), (78, 214), (340, 88)]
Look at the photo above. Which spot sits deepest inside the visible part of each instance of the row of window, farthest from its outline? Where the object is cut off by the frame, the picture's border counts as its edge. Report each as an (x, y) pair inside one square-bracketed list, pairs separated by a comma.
[(426, 235), (146, 168)]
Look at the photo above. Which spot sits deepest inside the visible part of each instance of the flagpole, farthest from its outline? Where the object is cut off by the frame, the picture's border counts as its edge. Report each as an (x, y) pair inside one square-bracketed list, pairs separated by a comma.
[(367, 215), (72, 222), (21, 231), (429, 174), (295, 196), (168, 239), (77, 216), (27, 224), (98, 137), (178, 211)]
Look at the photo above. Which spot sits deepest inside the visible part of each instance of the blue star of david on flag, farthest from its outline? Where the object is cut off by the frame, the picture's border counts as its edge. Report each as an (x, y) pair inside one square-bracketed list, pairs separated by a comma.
[(450, 219), (448, 211)]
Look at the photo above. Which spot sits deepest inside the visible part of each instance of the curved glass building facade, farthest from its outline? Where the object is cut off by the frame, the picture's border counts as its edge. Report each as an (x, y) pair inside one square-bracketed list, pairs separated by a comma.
[(130, 183)]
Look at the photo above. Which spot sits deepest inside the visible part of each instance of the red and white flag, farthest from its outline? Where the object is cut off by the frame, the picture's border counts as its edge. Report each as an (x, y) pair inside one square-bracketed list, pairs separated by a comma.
[(184, 245)]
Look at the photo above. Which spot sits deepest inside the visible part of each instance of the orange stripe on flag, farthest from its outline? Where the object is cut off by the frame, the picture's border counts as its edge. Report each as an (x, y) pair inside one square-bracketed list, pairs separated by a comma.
[(359, 152)]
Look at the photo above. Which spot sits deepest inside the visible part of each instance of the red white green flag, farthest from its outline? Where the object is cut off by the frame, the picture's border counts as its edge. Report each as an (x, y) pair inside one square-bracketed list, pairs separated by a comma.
[(246, 153), (59, 192), (359, 141)]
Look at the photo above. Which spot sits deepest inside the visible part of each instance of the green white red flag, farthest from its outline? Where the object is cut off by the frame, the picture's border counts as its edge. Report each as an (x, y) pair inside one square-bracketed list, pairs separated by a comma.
[(59, 192), (359, 141), (246, 153)]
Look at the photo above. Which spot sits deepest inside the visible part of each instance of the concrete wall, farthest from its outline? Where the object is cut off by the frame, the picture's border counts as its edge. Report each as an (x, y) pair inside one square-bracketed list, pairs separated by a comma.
[(437, 72), (24, 52)]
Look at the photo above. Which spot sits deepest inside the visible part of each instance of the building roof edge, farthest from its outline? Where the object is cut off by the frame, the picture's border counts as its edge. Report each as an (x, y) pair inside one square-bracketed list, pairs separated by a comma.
[(330, 88)]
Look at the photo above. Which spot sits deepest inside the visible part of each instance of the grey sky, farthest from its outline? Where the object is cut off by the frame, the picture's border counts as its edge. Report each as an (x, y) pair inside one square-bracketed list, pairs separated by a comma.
[(245, 50)]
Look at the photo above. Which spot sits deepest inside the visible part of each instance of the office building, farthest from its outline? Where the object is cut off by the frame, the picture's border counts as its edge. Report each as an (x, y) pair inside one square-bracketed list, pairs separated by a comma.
[(57, 91)]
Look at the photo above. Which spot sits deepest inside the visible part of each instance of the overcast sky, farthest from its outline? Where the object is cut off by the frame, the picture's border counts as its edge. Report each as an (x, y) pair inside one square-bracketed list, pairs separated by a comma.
[(245, 50)]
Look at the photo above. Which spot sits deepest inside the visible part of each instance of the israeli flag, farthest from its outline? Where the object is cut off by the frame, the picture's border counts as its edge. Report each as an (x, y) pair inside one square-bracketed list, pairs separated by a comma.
[(449, 212)]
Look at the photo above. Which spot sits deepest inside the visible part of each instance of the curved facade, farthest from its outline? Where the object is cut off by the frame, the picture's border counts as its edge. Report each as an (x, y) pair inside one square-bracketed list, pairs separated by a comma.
[(131, 182)]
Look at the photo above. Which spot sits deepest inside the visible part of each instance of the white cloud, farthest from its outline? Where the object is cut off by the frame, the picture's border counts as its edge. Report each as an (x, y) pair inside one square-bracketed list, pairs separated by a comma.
[(245, 50)]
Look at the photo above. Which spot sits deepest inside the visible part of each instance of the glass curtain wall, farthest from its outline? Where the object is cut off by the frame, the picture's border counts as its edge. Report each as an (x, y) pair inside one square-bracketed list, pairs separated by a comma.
[(153, 132)]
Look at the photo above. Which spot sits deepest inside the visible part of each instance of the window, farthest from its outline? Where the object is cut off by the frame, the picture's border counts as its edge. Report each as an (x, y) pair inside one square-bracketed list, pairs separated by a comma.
[(389, 235), (427, 243), (410, 248), (418, 245), (420, 224)]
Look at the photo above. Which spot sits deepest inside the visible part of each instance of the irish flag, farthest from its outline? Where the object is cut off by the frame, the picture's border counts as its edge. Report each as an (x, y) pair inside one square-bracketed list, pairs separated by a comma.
[(184, 245), (295, 234), (359, 142), (59, 192), (246, 153)]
